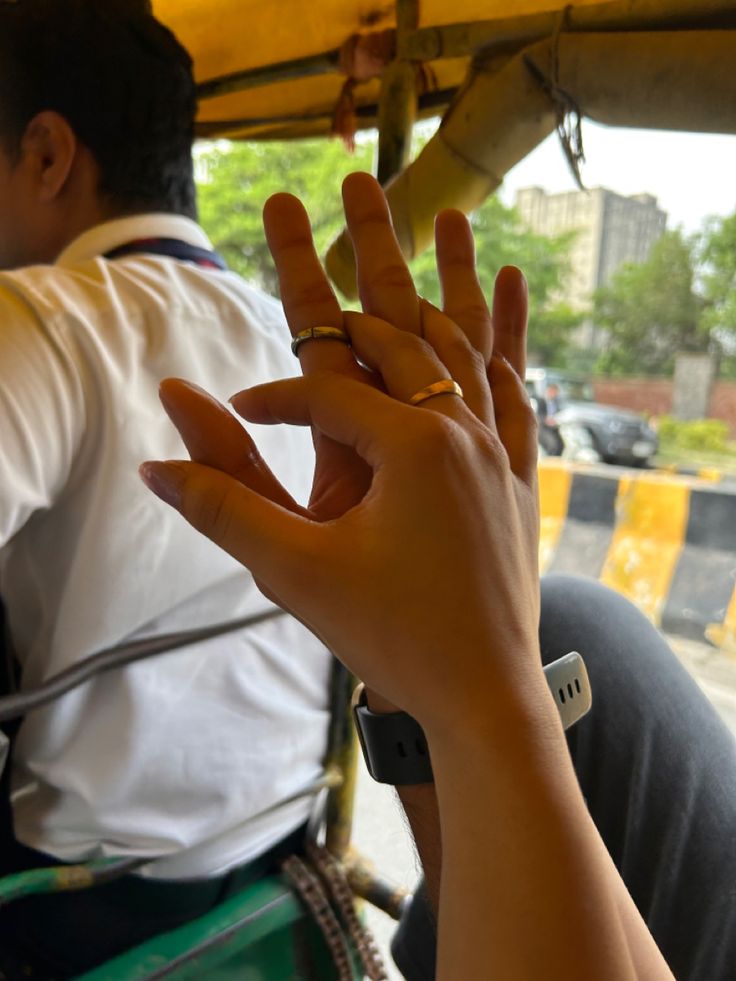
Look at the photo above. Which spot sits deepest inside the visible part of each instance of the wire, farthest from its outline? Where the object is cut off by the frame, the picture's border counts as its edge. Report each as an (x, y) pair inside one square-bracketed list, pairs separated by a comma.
[(16, 705)]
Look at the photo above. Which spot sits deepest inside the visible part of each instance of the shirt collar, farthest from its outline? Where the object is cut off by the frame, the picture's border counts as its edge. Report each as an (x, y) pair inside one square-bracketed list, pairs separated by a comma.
[(112, 234)]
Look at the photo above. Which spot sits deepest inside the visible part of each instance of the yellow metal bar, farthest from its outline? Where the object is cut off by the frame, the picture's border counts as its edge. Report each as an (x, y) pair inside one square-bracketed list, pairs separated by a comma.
[(368, 885), (342, 756), (649, 536), (341, 801), (397, 107)]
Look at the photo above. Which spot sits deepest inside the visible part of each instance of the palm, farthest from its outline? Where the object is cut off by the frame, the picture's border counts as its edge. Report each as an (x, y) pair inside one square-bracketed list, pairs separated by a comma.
[(341, 480)]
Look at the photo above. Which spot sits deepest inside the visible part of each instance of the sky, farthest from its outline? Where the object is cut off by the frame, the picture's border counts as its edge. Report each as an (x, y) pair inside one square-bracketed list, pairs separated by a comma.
[(692, 174)]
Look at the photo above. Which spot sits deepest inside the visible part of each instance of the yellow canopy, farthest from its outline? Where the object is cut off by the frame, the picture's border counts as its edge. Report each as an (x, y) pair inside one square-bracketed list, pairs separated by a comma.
[(511, 70), (279, 59)]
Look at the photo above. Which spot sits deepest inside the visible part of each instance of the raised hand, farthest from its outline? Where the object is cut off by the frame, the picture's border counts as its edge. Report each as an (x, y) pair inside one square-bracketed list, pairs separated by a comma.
[(387, 291), (437, 557), (465, 338)]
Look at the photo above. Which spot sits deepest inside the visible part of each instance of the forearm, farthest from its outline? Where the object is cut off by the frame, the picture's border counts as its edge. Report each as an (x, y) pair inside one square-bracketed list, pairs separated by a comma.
[(419, 802), (528, 889), (422, 813)]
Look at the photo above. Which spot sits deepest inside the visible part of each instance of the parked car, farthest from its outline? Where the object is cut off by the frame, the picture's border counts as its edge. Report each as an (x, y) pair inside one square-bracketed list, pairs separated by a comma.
[(586, 429)]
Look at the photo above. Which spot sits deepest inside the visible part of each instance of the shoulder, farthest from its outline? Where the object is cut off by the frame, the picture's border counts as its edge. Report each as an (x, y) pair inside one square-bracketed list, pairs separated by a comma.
[(41, 292), (260, 306), (25, 313)]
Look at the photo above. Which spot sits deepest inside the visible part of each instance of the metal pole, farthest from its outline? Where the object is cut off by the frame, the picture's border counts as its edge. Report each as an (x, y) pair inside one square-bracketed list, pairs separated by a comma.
[(397, 107)]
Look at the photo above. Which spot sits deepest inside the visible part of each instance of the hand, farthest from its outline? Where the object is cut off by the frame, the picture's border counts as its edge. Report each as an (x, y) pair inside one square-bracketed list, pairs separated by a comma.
[(428, 586), (341, 478), (387, 291)]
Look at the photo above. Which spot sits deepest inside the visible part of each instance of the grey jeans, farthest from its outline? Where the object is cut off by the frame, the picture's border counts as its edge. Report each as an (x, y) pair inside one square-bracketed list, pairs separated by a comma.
[(657, 768)]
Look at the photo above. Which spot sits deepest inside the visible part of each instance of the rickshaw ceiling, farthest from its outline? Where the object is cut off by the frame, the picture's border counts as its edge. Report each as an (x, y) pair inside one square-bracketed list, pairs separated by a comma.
[(278, 68), (503, 74)]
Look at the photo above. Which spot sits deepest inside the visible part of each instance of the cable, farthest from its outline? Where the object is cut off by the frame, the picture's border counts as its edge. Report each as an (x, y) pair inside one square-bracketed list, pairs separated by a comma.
[(16, 705)]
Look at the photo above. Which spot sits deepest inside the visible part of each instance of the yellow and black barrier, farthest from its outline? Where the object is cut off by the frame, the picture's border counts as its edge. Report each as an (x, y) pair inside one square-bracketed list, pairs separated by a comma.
[(666, 542)]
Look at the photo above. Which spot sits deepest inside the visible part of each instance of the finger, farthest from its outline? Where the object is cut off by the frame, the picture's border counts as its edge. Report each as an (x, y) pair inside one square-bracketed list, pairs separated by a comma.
[(463, 299), (306, 294), (510, 315), (267, 539), (215, 438), (464, 362), (384, 282), (516, 420), (406, 363), (347, 411)]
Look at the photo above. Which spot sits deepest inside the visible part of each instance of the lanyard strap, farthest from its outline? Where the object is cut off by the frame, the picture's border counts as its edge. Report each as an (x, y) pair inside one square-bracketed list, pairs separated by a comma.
[(174, 248)]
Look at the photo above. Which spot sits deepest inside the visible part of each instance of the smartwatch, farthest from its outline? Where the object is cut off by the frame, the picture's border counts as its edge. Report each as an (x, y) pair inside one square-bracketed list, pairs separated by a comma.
[(395, 749)]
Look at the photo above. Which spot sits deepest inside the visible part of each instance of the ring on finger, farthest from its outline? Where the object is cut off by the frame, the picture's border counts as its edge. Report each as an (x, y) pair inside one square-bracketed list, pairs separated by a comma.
[(318, 334), (445, 387)]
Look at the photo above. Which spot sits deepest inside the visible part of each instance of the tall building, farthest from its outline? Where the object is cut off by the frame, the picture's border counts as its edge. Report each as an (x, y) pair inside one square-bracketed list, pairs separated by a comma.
[(611, 229)]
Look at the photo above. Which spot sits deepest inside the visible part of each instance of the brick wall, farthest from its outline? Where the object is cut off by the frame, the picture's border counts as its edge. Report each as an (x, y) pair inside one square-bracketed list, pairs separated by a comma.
[(723, 404), (653, 396)]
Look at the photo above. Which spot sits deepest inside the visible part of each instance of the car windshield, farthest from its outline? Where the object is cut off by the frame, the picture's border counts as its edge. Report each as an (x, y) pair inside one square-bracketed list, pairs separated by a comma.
[(575, 390)]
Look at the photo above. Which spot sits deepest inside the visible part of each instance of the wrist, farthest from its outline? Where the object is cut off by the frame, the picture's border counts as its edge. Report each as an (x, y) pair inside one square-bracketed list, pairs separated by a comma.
[(378, 704), (521, 722), (393, 743)]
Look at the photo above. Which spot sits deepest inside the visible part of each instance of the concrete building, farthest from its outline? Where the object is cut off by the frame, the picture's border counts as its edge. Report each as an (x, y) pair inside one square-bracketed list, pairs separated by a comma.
[(611, 229)]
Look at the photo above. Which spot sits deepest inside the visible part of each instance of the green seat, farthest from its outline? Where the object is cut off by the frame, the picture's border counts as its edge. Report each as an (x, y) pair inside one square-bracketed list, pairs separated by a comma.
[(261, 934)]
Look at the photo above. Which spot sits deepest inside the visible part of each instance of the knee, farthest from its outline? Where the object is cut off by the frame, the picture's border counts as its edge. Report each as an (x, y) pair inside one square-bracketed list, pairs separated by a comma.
[(609, 631)]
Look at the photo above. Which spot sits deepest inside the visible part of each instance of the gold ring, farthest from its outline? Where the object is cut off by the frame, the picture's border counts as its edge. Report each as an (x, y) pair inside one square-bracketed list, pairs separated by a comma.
[(445, 387), (318, 334)]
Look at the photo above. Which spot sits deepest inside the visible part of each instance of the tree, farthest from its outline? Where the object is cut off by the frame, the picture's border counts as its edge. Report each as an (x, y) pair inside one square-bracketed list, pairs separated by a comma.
[(651, 311), (237, 179), (501, 239), (717, 255)]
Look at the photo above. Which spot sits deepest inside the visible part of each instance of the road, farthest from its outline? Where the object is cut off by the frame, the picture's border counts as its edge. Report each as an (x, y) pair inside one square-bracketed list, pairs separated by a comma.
[(380, 832)]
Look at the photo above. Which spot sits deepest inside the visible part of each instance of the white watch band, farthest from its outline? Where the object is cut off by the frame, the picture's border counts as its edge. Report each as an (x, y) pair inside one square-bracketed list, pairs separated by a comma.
[(568, 681), (394, 746)]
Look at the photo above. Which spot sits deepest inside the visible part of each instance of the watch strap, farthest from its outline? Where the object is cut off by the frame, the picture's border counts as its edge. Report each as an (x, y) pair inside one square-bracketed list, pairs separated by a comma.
[(567, 679), (394, 746)]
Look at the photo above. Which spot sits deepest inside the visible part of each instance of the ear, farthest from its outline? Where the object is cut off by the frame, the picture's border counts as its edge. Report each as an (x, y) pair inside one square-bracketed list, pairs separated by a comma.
[(49, 148)]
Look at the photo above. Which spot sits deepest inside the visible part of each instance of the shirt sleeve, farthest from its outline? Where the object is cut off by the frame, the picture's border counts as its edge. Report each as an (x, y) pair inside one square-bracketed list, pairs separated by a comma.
[(41, 412)]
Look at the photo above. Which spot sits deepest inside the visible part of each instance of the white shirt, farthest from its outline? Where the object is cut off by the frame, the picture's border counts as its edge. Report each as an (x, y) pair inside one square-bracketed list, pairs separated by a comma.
[(183, 755)]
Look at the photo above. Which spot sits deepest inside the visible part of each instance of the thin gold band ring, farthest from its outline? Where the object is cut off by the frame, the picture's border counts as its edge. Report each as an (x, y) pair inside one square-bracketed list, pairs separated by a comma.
[(318, 334), (445, 387)]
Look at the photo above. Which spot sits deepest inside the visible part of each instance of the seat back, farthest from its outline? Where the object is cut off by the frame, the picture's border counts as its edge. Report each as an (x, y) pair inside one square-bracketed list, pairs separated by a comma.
[(263, 933)]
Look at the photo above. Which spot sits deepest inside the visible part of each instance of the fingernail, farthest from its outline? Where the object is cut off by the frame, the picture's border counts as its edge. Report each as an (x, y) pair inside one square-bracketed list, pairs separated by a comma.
[(175, 383), (166, 480)]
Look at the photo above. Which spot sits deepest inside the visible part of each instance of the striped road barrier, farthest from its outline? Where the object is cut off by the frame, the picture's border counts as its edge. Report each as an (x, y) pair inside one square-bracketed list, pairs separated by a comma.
[(667, 542)]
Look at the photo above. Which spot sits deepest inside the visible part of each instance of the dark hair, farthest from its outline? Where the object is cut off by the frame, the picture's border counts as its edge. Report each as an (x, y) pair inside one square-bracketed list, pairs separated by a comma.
[(122, 81)]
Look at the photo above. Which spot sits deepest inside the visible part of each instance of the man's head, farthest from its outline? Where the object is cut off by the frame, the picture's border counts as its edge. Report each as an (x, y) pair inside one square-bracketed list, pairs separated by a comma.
[(552, 391), (97, 105)]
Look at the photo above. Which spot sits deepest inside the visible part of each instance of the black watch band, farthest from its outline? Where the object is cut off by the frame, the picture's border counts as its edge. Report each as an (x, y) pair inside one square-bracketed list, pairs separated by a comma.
[(394, 746)]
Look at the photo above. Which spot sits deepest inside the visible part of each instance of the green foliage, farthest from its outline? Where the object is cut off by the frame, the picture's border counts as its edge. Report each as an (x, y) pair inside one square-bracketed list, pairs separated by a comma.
[(717, 254), (500, 240), (710, 435), (682, 299), (239, 178), (651, 311)]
